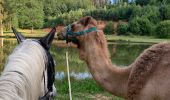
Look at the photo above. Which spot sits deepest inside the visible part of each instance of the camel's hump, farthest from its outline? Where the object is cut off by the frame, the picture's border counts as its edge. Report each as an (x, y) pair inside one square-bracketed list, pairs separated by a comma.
[(144, 65)]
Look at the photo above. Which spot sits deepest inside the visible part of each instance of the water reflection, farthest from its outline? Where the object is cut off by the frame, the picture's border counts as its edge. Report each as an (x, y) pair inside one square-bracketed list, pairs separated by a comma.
[(122, 54), (77, 76)]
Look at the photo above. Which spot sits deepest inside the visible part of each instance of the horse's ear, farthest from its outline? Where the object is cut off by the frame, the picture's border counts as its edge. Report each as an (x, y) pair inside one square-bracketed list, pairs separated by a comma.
[(47, 40), (18, 35)]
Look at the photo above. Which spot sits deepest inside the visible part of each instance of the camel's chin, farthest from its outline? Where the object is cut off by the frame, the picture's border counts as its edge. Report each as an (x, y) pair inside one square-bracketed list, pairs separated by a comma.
[(77, 44)]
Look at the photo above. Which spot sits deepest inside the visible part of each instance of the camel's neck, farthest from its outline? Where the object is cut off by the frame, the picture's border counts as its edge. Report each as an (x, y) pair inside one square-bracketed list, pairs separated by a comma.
[(112, 78)]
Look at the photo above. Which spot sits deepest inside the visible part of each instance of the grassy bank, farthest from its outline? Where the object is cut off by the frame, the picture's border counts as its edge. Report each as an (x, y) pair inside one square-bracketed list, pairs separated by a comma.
[(136, 39), (86, 89), (26, 32), (110, 38)]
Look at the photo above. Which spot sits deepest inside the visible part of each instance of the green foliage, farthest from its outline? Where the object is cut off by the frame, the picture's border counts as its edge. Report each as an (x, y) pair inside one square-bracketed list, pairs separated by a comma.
[(99, 14), (165, 12), (122, 28), (163, 29), (115, 13), (150, 12), (140, 26), (126, 12), (152, 2), (15, 20), (63, 12), (136, 11), (109, 28), (64, 19), (142, 2), (39, 13), (142, 16), (57, 7), (29, 13)]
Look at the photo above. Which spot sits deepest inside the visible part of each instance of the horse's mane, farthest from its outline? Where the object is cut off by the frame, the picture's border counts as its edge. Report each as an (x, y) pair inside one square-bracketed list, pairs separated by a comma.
[(22, 75), (144, 66)]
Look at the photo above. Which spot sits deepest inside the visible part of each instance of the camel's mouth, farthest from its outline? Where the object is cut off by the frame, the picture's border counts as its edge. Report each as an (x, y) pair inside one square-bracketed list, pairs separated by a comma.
[(65, 34), (60, 36), (75, 41)]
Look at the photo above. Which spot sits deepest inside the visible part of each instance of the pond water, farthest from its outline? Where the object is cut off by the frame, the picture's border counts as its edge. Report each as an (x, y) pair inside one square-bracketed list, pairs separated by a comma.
[(122, 54)]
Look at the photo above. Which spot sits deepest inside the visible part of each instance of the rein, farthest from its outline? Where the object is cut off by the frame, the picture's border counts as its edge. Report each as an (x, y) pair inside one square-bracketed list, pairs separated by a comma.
[(73, 35)]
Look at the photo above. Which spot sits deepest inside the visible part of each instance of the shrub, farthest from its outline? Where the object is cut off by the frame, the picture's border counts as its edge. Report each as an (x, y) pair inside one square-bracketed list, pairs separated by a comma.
[(142, 2), (136, 11), (65, 18), (97, 14), (109, 28), (150, 12), (163, 29), (122, 12), (140, 26), (49, 22), (165, 12), (122, 28), (114, 13)]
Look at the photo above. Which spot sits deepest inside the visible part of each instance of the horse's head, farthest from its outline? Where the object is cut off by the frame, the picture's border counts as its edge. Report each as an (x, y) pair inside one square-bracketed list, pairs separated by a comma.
[(48, 89), (85, 34)]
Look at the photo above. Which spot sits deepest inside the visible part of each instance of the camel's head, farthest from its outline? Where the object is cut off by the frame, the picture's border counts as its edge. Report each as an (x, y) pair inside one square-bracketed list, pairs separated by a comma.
[(76, 31), (83, 33)]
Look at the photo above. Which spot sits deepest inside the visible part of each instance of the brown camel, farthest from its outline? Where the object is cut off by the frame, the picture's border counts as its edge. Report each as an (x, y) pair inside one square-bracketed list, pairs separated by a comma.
[(147, 78)]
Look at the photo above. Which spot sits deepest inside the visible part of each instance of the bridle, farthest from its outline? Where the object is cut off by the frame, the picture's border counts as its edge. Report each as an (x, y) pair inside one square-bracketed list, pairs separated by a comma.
[(50, 67), (71, 36)]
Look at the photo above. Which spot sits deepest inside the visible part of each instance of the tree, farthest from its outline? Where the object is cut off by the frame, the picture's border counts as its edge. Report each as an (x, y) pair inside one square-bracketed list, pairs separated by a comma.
[(31, 14), (142, 2), (2, 16), (24, 13), (12, 8), (100, 3), (165, 12)]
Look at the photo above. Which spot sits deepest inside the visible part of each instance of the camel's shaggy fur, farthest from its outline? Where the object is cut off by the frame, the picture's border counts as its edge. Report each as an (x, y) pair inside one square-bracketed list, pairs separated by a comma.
[(144, 66), (136, 82)]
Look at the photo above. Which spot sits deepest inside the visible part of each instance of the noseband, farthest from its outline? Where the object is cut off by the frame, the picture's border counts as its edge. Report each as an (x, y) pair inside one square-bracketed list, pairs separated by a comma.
[(73, 35)]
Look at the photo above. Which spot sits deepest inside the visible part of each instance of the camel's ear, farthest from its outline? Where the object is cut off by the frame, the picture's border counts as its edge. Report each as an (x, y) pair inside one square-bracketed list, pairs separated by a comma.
[(86, 20), (18, 35), (47, 40)]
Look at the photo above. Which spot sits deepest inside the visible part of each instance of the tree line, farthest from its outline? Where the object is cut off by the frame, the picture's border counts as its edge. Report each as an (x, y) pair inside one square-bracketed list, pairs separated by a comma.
[(34, 13), (145, 15)]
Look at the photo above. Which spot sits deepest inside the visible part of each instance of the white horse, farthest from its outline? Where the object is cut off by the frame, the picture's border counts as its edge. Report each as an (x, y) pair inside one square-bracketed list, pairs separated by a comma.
[(27, 72)]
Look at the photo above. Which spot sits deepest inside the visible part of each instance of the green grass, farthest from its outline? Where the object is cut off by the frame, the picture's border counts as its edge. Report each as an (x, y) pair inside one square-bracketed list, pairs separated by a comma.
[(82, 90), (136, 39), (26, 32)]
